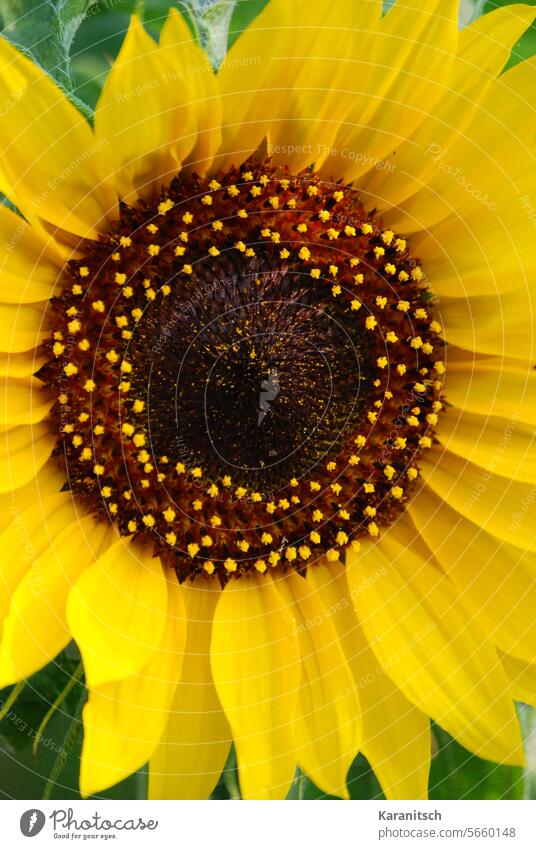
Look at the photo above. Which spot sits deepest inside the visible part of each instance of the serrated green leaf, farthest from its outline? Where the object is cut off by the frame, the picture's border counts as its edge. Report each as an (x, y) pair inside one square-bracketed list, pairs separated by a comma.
[(44, 30), (211, 21)]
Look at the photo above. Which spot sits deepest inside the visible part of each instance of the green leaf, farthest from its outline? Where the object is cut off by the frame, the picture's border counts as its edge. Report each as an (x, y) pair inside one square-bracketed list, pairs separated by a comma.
[(525, 48), (244, 12), (210, 20), (228, 787), (44, 29), (457, 774), (469, 11)]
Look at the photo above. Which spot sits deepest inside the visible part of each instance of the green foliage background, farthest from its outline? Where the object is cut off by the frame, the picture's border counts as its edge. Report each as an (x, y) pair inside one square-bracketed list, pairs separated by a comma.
[(76, 41)]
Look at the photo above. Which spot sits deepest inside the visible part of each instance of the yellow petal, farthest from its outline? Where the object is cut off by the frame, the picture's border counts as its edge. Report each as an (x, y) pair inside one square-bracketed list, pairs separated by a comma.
[(24, 364), (35, 630), (189, 64), (24, 451), (424, 637), (328, 723), (48, 481), (29, 266), (22, 327), (256, 669), (504, 446), (500, 325), (48, 154), (483, 166), (497, 580), (25, 401), (504, 508), (491, 386), (522, 679), (117, 611), (28, 535), (146, 116), (124, 720), (416, 167), (292, 82), (194, 747), (410, 60), (396, 735), (478, 251)]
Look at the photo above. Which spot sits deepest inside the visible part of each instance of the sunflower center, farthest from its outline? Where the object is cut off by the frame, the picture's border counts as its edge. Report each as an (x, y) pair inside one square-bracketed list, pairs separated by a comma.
[(247, 372), (251, 380)]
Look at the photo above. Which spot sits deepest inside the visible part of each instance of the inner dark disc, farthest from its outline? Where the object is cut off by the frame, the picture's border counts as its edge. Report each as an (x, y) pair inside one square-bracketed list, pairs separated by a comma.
[(251, 374)]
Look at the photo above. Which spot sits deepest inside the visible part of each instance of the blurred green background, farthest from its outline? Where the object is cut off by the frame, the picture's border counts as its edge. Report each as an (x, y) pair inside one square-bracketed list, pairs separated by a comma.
[(76, 41)]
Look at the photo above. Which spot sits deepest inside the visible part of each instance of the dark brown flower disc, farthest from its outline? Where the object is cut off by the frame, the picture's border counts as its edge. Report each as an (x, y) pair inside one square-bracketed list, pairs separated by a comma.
[(246, 372)]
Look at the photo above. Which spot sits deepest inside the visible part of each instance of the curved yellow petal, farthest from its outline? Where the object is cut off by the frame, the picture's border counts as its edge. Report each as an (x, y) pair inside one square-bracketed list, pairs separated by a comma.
[(35, 630), (291, 81), (396, 734), (25, 401), (147, 117), (24, 364), (189, 65), (491, 386), (481, 251), (485, 166), (500, 324), (27, 537), (428, 643), (116, 612), (29, 266), (328, 721), (505, 446), (124, 720), (48, 155), (256, 668), (23, 328), (504, 508), (410, 64), (24, 451), (522, 679), (497, 580), (194, 747), (417, 166), (48, 481)]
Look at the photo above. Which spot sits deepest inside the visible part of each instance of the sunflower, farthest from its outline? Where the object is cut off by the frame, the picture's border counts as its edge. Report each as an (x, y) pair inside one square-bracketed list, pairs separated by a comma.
[(269, 398)]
